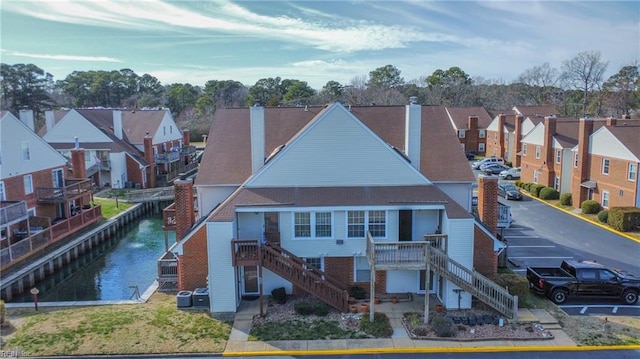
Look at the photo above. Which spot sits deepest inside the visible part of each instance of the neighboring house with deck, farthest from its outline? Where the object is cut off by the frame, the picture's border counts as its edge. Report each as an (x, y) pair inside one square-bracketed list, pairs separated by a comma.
[(42, 202), (318, 199), (124, 148)]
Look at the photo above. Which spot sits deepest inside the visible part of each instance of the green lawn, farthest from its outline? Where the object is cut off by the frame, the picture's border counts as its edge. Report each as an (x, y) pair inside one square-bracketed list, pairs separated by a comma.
[(112, 207)]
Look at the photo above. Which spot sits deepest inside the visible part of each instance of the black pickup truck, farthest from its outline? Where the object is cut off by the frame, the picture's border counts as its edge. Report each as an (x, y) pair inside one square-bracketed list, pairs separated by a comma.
[(583, 279)]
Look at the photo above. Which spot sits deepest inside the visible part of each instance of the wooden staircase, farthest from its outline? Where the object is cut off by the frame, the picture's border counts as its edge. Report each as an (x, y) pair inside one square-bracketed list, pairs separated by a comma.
[(292, 268)]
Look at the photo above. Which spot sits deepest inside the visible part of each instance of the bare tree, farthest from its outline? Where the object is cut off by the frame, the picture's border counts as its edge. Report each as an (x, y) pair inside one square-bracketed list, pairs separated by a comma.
[(540, 81), (584, 72)]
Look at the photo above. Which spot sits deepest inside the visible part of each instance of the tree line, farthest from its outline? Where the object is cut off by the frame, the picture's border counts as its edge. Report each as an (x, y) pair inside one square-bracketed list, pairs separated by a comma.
[(577, 88)]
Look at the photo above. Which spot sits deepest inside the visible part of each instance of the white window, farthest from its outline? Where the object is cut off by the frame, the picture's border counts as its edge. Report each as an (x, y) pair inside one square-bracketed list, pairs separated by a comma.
[(558, 156), (28, 184), (312, 224), (58, 178), (605, 199), (575, 160), (302, 225), (26, 153), (87, 156), (323, 224), (535, 176), (314, 262), (480, 147), (524, 149), (537, 152), (31, 212), (362, 272), (461, 133), (170, 128), (481, 133), (605, 166), (3, 195), (632, 172), (376, 223), (164, 130), (556, 183), (355, 224)]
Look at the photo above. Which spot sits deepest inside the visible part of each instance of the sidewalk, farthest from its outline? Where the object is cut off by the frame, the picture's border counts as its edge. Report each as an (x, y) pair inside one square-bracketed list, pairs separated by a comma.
[(238, 344)]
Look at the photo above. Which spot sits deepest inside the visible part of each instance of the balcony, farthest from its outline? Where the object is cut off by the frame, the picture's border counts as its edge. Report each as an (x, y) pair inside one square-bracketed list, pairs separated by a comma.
[(167, 157), (12, 211), (187, 151), (167, 272), (74, 189), (409, 255), (169, 218)]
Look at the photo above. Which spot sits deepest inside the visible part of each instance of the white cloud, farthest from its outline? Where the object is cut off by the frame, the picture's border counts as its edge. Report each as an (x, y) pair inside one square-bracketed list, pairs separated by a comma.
[(62, 57)]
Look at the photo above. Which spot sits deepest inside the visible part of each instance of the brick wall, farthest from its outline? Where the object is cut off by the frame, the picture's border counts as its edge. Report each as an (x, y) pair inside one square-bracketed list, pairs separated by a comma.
[(150, 157), (613, 183), (485, 260), (517, 137), (134, 174), (193, 263), (488, 202), (582, 172), (14, 189), (185, 214), (78, 164)]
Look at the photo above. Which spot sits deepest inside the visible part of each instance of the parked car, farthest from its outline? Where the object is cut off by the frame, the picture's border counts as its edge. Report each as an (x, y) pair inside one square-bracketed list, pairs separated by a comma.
[(487, 160), (470, 155), (583, 279), (511, 173), (509, 191), (494, 169)]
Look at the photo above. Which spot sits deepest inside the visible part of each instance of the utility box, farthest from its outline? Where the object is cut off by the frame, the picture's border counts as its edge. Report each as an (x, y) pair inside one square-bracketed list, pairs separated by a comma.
[(201, 297), (184, 299)]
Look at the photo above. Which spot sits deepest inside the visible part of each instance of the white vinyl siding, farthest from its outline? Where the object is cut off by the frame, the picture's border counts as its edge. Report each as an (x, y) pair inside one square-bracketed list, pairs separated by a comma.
[(26, 153)]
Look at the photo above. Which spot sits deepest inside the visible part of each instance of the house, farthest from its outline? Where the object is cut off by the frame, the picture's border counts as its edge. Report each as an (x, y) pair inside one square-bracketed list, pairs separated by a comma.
[(318, 199), (41, 202), (605, 163), (138, 148), (506, 143), (470, 125), (536, 111)]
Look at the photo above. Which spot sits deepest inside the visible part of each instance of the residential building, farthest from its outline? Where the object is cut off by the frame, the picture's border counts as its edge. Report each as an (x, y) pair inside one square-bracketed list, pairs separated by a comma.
[(317, 199), (41, 202), (124, 148), (536, 111), (470, 125), (506, 143), (605, 163)]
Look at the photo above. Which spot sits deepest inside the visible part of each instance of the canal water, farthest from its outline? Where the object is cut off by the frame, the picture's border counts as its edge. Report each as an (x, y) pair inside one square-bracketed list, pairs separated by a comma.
[(111, 271)]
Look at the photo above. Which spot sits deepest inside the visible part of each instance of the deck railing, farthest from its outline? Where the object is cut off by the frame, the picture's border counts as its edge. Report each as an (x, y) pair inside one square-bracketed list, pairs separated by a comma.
[(167, 157), (12, 211), (167, 272), (414, 255), (294, 269), (152, 194), (73, 189)]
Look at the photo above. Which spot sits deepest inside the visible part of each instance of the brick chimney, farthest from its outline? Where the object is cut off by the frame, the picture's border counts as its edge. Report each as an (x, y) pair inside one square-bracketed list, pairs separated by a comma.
[(517, 137), (77, 161), (150, 157), (501, 120), (186, 137), (185, 214), (548, 169), (488, 202), (581, 172), (612, 121), (413, 131)]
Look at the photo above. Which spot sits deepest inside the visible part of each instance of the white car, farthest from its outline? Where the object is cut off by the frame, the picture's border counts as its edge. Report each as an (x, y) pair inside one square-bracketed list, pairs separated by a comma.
[(511, 173), (487, 161)]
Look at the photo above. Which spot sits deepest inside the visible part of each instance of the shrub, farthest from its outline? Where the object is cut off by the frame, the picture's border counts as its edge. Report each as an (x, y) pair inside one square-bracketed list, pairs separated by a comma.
[(624, 218), (535, 189), (303, 308), (525, 186), (444, 327), (590, 207), (565, 199), (320, 309), (3, 312), (358, 292), (549, 193), (516, 284), (379, 328), (518, 183), (603, 216), (279, 295)]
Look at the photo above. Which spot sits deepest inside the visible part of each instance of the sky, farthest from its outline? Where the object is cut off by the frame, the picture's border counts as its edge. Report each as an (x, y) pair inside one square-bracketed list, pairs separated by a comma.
[(313, 41)]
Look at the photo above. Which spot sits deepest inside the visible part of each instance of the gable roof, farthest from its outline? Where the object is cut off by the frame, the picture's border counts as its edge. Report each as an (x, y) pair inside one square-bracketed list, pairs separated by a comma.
[(137, 123), (567, 130), (227, 156), (459, 116), (536, 111), (628, 135)]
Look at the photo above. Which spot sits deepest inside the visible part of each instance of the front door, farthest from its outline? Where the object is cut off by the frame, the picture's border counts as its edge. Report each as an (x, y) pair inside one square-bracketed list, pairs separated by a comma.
[(405, 224), (250, 280), (421, 279)]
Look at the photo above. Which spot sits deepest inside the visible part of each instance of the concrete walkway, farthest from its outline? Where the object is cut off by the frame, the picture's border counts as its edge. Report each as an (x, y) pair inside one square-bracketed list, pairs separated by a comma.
[(238, 344)]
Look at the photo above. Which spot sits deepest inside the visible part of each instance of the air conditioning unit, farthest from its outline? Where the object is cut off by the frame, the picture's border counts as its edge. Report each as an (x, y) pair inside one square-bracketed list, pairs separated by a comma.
[(200, 297), (184, 299)]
